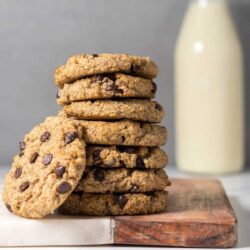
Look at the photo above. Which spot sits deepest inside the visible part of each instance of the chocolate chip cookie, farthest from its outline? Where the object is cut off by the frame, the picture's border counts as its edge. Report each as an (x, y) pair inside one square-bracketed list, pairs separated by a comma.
[(115, 204), (106, 86), (125, 132), (122, 180), (125, 156), (134, 109), (83, 65), (47, 169)]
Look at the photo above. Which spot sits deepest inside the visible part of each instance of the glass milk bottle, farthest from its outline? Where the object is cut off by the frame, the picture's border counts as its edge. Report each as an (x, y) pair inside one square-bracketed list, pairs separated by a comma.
[(209, 91)]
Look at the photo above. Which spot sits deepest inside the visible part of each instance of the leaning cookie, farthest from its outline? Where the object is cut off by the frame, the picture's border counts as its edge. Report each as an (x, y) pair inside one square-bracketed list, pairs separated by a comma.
[(83, 65), (125, 156), (106, 86), (115, 204), (122, 180), (133, 109), (50, 163)]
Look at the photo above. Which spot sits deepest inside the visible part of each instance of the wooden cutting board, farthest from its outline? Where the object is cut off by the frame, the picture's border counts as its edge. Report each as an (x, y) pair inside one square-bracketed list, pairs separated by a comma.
[(199, 215)]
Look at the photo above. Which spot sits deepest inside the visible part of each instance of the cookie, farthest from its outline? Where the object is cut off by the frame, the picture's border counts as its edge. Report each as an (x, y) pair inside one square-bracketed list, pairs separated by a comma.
[(50, 163), (115, 204), (83, 65), (125, 132), (125, 156), (122, 180), (134, 109), (106, 86)]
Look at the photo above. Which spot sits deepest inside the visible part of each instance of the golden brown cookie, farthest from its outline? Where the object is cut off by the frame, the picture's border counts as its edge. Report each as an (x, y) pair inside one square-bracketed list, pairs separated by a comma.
[(122, 180), (106, 86), (115, 204), (50, 163), (126, 156), (124, 132), (83, 65), (133, 109)]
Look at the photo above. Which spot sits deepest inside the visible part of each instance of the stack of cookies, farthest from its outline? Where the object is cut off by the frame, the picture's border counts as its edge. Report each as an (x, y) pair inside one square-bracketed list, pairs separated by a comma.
[(101, 155), (110, 97)]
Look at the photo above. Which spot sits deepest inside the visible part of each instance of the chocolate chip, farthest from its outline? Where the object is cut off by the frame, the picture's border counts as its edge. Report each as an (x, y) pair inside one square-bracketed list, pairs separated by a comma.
[(70, 136), (45, 136), (123, 138), (18, 173), (63, 188), (134, 69), (21, 154), (114, 88), (134, 189), (85, 175), (59, 171), (47, 159), (111, 77), (122, 201), (141, 125), (8, 207), (99, 78), (129, 171), (24, 186), (150, 149), (95, 55), (158, 106), (120, 91), (96, 155), (129, 150), (140, 163), (154, 87), (22, 146), (150, 193), (111, 87), (122, 164), (33, 157), (57, 94), (99, 175)]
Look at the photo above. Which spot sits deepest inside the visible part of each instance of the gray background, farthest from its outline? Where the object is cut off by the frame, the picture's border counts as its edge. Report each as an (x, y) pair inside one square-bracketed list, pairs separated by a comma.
[(36, 36)]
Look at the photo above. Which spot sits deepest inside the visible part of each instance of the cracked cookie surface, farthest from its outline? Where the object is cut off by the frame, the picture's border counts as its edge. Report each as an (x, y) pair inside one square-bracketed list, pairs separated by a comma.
[(50, 163), (126, 156), (134, 109), (115, 204), (122, 180), (83, 65), (106, 86)]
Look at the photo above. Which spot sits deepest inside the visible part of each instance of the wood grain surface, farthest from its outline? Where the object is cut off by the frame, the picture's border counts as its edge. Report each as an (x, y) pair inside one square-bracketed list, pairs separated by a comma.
[(199, 215)]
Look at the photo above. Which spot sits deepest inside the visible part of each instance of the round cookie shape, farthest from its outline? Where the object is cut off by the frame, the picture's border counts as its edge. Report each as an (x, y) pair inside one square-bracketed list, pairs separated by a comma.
[(83, 65), (115, 204), (126, 156), (50, 163), (134, 109), (122, 180), (124, 132), (106, 86)]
